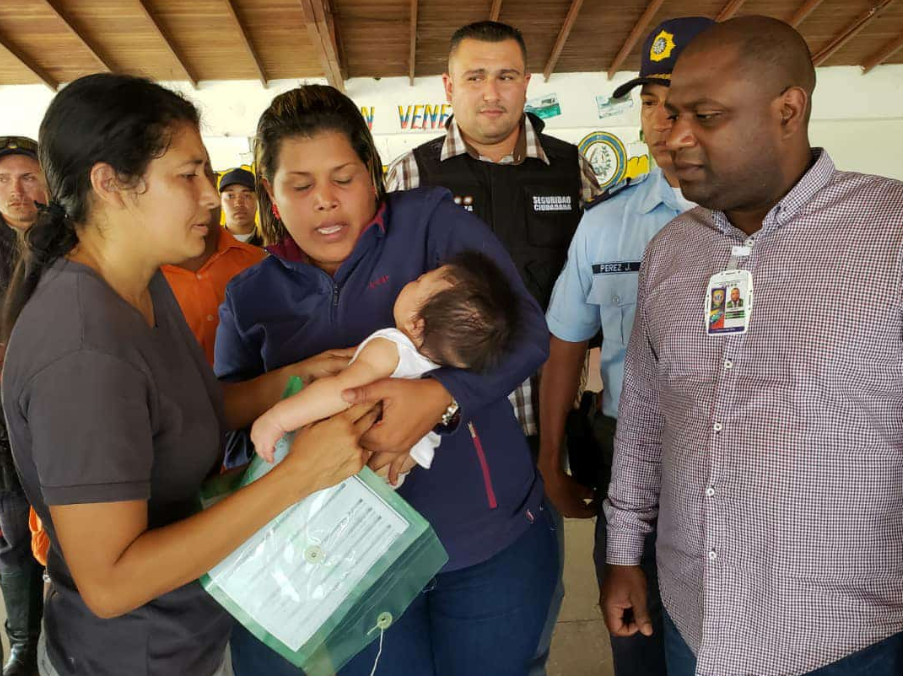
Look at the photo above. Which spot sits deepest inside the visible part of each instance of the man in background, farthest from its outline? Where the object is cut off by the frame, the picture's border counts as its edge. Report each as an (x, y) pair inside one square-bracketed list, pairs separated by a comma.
[(238, 195), (527, 186), (199, 284), (22, 188)]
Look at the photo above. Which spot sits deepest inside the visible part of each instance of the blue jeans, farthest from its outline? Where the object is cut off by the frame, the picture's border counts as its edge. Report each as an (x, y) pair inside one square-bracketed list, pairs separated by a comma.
[(15, 536), (485, 619), (884, 658), (538, 665)]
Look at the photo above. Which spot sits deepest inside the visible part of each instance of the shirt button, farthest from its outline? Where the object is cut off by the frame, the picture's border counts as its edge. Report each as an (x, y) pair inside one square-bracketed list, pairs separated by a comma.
[(750, 241), (713, 555), (210, 318), (200, 276), (709, 491), (615, 299), (728, 364), (717, 427)]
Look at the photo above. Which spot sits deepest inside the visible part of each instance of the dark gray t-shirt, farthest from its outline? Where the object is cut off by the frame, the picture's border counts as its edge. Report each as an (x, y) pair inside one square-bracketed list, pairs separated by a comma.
[(103, 408)]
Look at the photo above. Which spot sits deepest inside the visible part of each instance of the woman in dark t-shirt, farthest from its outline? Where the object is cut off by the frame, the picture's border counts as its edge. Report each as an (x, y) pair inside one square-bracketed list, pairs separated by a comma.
[(114, 415)]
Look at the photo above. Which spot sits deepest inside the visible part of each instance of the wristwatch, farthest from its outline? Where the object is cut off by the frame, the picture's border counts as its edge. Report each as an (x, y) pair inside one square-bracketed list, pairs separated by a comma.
[(451, 415)]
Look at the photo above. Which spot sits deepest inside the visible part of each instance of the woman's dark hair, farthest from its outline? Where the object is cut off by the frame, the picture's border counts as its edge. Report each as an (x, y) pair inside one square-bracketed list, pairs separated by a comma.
[(474, 322), (305, 112), (119, 120)]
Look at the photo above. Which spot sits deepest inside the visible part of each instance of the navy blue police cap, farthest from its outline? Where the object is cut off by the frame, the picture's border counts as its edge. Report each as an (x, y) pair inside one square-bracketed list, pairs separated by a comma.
[(18, 145), (661, 49), (237, 176)]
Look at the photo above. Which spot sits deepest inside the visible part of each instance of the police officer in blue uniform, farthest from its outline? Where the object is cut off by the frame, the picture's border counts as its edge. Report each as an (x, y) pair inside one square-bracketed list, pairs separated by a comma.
[(597, 291)]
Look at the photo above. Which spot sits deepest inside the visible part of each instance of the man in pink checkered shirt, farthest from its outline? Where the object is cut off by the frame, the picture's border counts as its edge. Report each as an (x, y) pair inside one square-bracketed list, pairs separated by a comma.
[(772, 457)]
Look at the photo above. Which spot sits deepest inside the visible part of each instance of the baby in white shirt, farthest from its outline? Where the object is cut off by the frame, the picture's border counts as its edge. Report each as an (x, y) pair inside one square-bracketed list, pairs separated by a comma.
[(463, 314)]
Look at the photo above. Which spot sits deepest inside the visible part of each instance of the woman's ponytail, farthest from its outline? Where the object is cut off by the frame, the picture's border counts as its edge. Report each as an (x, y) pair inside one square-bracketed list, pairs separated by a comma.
[(118, 120), (51, 237)]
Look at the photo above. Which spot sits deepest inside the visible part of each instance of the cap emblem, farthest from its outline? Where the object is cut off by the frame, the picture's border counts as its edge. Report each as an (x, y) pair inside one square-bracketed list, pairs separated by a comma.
[(662, 46)]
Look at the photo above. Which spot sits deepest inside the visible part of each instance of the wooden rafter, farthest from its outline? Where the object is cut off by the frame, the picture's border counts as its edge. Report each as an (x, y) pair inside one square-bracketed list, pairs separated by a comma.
[(245, 38), (34, 68), (170, 45), (634, 36), (850, 31), (729, 10), (883, 54), (805, 10), (562, 37), (412, 54), (321, 29), (495, 10), (81, 38)]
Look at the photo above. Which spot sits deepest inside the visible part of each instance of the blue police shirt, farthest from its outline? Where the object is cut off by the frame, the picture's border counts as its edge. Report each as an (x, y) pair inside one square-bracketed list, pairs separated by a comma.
[(598, 285)]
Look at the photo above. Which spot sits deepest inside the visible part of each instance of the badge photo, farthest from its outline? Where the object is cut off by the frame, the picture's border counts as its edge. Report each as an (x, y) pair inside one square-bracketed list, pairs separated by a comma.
[(728, 303)]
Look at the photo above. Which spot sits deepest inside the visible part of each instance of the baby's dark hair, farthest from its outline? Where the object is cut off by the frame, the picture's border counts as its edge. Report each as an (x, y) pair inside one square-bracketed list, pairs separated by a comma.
[(474, 322)]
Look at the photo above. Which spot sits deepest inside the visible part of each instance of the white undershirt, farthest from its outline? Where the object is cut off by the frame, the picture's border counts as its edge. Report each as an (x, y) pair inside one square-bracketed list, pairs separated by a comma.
[(243, 238)]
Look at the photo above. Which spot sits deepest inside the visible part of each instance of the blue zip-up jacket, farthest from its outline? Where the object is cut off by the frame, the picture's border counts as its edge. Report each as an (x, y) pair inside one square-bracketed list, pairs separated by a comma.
[(482, 491)]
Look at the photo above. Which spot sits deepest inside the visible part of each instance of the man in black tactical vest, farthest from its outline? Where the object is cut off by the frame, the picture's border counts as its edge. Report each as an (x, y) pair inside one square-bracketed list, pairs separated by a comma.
[(527, 186)]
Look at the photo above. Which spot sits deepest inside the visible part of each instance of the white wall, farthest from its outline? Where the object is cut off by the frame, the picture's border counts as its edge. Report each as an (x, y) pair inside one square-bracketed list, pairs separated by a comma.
[(858, 118)]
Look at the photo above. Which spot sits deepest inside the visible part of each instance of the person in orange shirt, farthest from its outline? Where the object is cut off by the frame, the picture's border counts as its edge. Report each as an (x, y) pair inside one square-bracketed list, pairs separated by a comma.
[(199, 284)]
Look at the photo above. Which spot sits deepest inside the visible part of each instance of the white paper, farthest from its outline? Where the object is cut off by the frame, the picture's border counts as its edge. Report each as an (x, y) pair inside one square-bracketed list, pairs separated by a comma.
[(294, 573)]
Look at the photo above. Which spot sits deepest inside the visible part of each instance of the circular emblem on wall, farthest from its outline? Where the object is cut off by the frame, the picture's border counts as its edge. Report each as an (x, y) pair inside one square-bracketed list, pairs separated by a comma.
[(662, 46), (607, 156)]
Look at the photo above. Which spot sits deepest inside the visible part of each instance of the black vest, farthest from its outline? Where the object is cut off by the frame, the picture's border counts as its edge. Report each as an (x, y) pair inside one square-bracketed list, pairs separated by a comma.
[(533, 207)]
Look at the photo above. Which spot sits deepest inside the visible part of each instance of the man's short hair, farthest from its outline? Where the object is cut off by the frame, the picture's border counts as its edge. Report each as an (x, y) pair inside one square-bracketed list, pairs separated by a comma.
[(488, 31)]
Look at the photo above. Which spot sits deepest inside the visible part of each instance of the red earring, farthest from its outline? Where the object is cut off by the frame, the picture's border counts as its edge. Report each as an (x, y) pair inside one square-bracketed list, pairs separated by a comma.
[(276, 212)]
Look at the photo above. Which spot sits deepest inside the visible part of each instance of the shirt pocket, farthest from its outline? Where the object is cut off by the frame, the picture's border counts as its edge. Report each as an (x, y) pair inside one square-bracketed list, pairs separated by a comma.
[(615, 294)]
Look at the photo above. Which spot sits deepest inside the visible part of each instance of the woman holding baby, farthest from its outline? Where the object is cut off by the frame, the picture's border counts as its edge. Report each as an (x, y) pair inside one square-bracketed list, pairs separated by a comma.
[(343, 250)]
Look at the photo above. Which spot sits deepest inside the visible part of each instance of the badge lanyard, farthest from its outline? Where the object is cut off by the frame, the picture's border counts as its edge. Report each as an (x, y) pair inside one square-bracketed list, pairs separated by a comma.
[(729, 297)]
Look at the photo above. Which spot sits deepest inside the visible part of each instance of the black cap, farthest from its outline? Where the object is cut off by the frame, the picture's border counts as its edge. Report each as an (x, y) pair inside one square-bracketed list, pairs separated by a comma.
[(661, 49), (239, 176), (18, 145)]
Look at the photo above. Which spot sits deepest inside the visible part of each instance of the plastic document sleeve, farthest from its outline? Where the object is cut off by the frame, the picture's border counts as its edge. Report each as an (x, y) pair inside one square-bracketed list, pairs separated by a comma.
[(329, 574)]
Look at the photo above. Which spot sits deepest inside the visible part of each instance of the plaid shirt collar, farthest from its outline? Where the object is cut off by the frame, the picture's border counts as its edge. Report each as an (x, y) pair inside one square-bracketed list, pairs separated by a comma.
[(527, 145), (816, 177)]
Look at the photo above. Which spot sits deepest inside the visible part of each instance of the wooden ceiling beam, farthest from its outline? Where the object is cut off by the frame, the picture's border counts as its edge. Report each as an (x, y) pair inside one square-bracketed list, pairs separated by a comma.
[(32, 67), (412, 54), (81, 38), (850, 32), (170, 45), (729, 10), (495, 10), (246, 39), (883, 54), (563, 34), (638, 30), (805, 10), (321, 29)]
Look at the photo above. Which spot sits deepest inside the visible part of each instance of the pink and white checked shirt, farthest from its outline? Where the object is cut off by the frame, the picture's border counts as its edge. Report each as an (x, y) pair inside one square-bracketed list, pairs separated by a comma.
[(772, 460)]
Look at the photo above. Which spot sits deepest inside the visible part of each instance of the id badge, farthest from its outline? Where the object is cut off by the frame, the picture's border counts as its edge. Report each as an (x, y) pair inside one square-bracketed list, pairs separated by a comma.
[(728, 303)]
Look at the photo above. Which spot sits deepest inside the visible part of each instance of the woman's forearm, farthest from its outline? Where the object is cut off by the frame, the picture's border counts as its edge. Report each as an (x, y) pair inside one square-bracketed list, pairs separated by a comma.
[(163, 559)]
